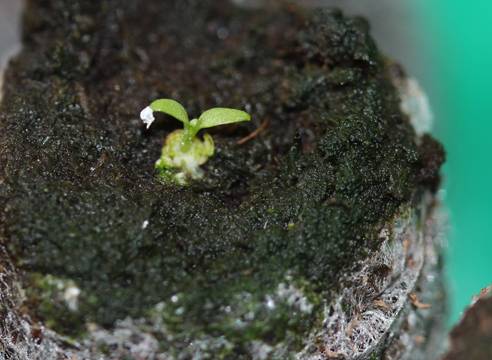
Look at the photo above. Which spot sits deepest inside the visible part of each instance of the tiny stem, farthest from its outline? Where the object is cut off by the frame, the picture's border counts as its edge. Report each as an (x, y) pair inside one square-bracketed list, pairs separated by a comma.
[(189, 133), (186, 142)]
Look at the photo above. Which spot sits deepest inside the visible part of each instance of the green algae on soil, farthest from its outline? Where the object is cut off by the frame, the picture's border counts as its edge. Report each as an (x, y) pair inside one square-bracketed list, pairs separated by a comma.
[(254, 250)]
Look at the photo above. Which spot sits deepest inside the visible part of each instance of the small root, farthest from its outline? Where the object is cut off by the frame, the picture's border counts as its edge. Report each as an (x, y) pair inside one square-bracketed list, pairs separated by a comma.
[(254, 134)]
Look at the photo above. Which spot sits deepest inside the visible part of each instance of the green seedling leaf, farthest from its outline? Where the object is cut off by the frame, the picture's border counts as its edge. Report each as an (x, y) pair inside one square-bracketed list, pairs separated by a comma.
[(171, 107), (221, 116), (183, 152)]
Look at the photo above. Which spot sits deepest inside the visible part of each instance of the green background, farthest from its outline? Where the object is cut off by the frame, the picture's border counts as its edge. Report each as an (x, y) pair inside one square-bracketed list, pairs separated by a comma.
[(457, 35)]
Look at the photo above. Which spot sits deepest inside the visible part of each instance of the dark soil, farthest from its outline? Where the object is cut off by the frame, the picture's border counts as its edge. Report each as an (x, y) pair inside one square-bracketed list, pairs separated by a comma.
[(304, 199)]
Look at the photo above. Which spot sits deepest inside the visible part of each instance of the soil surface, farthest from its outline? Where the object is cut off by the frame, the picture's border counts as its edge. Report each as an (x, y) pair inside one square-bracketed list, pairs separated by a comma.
[(254, 250)]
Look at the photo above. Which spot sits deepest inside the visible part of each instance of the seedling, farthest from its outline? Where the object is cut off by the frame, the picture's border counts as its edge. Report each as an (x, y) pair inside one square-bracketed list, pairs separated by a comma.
[(183, 152)]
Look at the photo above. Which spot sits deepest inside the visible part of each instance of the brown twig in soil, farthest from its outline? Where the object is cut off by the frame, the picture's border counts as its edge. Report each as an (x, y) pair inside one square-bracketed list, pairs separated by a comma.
[(379, 303), (254, 134), (416, 302)]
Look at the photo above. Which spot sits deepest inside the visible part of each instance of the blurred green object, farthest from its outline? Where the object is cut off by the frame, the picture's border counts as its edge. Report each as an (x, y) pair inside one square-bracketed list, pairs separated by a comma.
[(458, 35)]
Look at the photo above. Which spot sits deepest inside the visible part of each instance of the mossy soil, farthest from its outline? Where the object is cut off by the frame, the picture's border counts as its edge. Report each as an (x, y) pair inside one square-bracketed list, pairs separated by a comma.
[(298, 205)]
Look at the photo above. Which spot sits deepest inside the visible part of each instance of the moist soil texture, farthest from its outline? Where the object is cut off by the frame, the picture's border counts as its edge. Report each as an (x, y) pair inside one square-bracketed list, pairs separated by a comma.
[(255, 249)]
